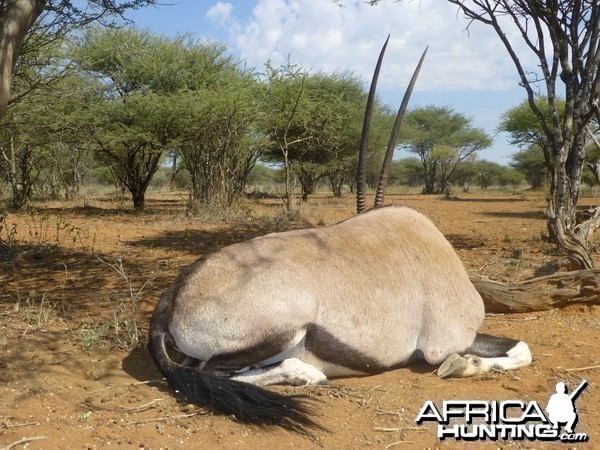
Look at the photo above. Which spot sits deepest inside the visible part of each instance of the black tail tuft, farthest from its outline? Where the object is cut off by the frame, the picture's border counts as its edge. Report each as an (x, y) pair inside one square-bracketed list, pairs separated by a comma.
[(248, 403)]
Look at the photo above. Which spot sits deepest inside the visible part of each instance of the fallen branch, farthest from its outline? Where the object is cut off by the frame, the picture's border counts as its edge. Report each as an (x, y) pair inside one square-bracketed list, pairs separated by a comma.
[(161, 419), (540, 294), (7, 424), (393, 430), (23, 441), (399, 442), (136, 409), (579, 369)]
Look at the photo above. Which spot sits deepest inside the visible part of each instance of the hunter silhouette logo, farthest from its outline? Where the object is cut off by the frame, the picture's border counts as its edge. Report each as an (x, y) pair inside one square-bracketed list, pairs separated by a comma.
[(510, 419), (561, 406)]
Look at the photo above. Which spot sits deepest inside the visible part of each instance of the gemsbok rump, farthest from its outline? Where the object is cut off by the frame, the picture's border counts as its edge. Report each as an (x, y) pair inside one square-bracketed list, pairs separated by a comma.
[(373, 293)]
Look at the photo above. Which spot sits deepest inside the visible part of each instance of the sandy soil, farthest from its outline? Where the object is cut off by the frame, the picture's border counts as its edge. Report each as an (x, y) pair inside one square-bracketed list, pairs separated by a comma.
[(80, 283)]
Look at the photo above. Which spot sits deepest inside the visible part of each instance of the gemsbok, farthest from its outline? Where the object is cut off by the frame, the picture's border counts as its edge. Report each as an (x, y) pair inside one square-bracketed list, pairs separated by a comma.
[(373, 293)]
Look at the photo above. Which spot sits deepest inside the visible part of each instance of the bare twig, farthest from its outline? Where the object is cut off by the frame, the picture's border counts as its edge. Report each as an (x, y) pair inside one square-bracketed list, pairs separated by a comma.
[(23, 441), (399, 442), (133, 335), (579, 369), (6, 424), (387, 430), (140, 408), (157, 380), (512, 319), (160, 419)]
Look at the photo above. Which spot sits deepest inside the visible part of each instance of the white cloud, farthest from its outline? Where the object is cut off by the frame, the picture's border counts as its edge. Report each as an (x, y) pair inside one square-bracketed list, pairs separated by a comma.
[(220, 13), (321, 35)]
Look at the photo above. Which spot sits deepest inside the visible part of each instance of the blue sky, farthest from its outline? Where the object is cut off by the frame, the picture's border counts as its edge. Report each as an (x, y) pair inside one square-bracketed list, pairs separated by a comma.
[(467, 70)]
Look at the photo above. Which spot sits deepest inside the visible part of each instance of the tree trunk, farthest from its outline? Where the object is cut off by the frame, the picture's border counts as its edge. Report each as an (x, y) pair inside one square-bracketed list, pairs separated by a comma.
[(562, 208), (430, 173), (575, 243), (25, 168), (16, 18), (289, 191), (336, 182), (448, 188), (20, 167), (174, 171), (309, 183), (196, 189), (12, 171), (139, 198)]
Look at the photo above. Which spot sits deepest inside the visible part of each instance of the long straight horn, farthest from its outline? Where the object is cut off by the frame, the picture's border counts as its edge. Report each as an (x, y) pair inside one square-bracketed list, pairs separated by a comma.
[(389, 153), (361, 177)]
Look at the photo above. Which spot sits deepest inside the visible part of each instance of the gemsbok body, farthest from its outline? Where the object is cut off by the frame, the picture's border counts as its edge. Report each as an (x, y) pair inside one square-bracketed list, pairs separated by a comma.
[(373, 293)]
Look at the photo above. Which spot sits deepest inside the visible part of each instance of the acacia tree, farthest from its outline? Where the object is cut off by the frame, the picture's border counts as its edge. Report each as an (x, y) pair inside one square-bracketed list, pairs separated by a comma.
[(531, 163), (131, 137), (219, 105), (564, 37), (526, 132), (44, 138), (442, 139), (43, 144), (177, 96), (20, 161), (287, 122), (314, 125), (134, 112), (219, 142), (407, 171), (332, 101), (335, 104), (20, 143), (50, 21)]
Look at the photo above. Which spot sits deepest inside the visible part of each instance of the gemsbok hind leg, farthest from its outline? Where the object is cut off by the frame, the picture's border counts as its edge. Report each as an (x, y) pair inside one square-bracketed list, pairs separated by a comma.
[(485, 354), (289, 371)]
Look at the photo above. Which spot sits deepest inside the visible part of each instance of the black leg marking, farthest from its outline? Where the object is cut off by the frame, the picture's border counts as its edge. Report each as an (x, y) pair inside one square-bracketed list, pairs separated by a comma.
[(488, 346), (269, 347), (416, 357), (328, 348)]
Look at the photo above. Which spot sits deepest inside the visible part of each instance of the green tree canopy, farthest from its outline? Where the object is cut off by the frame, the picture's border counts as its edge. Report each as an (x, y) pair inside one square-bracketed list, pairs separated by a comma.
[(314, 124), (26, 26), (531, 163), (187, 98), (42, 137), (526, 130), (442, 139), (220, 137), (133, 115)]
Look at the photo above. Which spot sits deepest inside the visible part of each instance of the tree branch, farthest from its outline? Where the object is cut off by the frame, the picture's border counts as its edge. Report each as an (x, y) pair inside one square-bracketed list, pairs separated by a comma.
[(539, 294)]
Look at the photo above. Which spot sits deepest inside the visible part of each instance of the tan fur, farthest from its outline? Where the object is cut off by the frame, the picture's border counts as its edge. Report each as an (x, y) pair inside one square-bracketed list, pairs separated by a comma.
[(385, 283)]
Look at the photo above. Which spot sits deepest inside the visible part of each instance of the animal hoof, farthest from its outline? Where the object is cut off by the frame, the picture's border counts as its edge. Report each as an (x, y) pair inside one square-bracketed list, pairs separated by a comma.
[(454, 366), (306, 382)]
